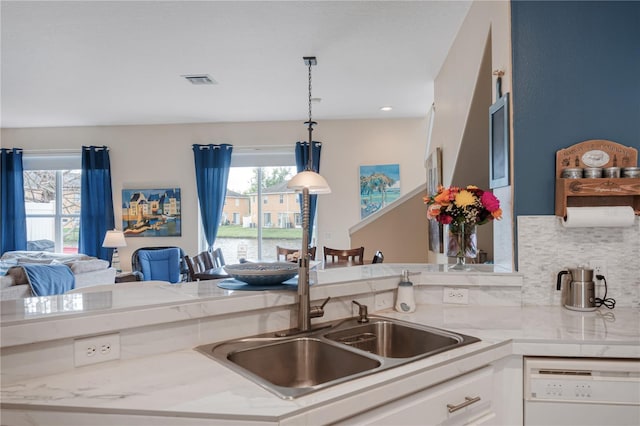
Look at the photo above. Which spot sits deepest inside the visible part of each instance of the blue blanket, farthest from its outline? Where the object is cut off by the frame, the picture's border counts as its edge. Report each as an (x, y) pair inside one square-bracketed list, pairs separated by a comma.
[(47, 280)]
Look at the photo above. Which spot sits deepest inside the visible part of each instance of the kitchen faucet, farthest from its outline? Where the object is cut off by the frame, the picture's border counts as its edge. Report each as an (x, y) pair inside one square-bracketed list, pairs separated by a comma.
[(362, 313)]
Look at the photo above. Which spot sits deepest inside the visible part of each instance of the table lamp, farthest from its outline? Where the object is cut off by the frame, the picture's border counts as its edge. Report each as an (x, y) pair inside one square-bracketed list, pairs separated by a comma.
[(114, 239)]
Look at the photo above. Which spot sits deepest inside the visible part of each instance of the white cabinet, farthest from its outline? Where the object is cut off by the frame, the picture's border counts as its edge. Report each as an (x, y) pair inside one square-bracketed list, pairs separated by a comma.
[(464, 400)]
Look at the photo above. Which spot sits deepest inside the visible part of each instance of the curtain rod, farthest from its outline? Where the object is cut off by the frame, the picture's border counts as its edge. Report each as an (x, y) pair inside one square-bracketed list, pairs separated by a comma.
[(262, 147), (235, 148), (52, 151)]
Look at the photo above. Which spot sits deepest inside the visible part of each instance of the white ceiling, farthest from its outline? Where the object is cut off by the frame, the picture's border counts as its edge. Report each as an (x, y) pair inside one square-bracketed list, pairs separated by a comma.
[(84, 63)]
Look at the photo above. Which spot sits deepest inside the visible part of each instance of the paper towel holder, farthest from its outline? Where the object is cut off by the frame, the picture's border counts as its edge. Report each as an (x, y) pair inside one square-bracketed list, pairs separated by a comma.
[(596, 192)]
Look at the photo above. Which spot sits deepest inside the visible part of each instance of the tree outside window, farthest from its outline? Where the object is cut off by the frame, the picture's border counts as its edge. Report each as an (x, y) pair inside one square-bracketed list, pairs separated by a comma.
[(52, 205)]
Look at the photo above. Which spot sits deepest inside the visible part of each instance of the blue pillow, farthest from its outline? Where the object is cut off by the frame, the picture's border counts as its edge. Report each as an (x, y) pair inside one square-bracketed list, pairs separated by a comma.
[(163, 265)]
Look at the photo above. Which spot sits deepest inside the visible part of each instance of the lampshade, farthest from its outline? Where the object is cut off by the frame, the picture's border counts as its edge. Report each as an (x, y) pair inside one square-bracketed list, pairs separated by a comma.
[(114, 239), (311, 180)]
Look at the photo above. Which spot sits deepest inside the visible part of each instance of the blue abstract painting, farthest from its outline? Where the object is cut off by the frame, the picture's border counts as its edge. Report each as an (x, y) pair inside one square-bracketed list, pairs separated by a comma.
[(379, 187)]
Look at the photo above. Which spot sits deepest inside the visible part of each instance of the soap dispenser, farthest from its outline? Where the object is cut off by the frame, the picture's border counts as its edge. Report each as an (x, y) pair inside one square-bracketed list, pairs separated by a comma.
[(405, 299)]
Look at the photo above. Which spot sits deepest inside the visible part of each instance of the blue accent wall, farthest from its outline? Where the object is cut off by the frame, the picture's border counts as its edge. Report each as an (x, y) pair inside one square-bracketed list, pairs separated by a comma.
[(576, 76)]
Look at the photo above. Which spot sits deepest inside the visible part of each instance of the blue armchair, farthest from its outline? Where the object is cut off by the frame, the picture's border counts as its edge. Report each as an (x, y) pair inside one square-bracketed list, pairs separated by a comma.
[(160, 263)]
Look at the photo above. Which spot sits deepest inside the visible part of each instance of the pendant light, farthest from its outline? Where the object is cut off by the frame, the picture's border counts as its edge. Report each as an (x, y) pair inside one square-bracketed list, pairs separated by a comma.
[(307, 182)]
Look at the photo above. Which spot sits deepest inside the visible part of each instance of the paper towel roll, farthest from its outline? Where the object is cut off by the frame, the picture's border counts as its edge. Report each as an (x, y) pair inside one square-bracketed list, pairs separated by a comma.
[(588, 217)]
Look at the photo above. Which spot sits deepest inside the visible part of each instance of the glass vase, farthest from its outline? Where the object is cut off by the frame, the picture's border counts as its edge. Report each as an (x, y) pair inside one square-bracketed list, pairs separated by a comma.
[(463, 243)]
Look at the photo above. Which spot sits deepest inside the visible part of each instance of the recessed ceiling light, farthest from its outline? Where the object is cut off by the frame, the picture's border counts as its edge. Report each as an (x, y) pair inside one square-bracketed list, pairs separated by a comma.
[(199, 79), (386, 108)]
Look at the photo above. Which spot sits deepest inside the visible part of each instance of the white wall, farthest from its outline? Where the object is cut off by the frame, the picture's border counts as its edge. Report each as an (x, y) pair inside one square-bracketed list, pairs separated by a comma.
[(159, 156)]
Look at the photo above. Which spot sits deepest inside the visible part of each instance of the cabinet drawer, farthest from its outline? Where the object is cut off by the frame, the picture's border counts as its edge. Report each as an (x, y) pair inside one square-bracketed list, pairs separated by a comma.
[(461, 400)]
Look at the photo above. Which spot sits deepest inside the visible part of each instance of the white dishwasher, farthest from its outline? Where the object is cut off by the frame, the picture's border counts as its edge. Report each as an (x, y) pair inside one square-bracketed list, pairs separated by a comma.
[(581, 391)]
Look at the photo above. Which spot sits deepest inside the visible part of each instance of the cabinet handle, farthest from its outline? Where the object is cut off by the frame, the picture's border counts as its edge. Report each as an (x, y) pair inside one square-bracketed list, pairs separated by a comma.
[(467, 401)]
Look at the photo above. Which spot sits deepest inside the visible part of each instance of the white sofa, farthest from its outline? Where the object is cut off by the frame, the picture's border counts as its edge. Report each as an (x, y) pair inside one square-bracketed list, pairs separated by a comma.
[(88, 271)]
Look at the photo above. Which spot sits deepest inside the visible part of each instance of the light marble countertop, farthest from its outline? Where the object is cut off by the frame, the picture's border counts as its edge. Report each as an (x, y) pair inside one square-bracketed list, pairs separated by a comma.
[(186, 383), (108, 308), (99, 299)]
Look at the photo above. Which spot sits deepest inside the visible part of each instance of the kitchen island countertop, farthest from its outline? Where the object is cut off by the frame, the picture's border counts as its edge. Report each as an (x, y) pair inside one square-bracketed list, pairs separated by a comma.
[(189, 386)]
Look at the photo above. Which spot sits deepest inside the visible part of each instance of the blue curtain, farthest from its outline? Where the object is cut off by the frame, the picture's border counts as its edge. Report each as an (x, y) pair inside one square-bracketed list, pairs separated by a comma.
[(212, 173), (302, 158), (96, 212), (13, 219)]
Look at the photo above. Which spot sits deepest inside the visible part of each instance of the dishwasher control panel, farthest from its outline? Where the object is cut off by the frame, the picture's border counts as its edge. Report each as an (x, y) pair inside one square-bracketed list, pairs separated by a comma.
[(610, 381)]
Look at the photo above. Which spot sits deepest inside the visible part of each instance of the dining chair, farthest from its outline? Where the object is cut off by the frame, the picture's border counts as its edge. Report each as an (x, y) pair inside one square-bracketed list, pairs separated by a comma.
[(204, 259), (209, 259), (193, 268), (284, 252), (354, 256), (200, 266), (218, 258)]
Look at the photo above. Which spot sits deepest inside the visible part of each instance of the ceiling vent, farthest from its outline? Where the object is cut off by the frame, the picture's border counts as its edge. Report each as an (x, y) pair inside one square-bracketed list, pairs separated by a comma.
[(199, 79)]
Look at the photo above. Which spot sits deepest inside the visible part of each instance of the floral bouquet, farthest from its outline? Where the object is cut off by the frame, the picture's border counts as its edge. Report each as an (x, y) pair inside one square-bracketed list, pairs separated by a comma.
[(470, 205), (462, 209)]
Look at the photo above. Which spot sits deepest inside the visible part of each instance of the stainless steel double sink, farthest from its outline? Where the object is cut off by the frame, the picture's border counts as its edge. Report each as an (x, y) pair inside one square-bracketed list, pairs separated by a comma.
[(334, 353)]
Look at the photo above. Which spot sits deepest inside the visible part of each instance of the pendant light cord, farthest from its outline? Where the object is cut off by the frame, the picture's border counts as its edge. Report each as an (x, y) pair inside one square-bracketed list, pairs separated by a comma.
[(310, 93), (310, 123)]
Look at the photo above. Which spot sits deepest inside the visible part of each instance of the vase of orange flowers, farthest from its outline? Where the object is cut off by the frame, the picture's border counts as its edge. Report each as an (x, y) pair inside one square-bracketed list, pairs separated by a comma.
[(463, 242), (463, 209)]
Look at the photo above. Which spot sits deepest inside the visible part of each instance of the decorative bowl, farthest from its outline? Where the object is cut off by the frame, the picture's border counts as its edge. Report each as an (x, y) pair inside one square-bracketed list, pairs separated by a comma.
[(262, 273)]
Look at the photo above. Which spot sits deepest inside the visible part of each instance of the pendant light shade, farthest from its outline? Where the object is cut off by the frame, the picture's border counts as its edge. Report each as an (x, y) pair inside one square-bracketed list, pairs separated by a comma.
[(311, 180)]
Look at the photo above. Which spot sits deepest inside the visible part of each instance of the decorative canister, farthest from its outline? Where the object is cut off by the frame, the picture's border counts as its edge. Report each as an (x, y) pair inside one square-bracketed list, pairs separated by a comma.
[(611, 172), (592, 172), (572, 173), (631, 172)]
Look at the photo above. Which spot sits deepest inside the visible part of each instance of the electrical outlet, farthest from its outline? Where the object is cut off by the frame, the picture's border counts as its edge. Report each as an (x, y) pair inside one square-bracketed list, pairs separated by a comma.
[(458, 296), (92, 350), (599, 267)]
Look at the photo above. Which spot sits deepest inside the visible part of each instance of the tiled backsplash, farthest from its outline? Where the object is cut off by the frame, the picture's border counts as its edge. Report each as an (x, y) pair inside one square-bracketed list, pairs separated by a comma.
[(546, 247)]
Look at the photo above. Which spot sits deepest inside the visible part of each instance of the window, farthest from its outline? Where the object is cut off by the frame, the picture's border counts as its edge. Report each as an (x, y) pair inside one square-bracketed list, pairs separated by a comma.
[(258, 226), (52, 202)]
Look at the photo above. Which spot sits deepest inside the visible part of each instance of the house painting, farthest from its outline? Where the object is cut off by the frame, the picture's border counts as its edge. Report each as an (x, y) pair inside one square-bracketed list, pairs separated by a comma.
[(151, 212)]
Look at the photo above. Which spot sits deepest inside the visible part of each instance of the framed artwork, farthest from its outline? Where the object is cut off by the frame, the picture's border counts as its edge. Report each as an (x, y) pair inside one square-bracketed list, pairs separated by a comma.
[(434, 171), (151, 212), (499, 143), (379, 186), (431, 116), (434, 178)]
